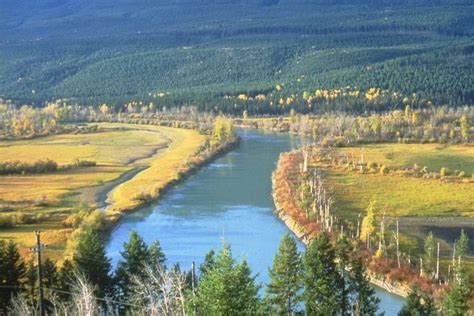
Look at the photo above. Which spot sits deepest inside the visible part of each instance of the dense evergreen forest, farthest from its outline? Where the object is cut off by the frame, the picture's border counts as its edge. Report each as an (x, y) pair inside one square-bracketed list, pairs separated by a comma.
[(198, 52)]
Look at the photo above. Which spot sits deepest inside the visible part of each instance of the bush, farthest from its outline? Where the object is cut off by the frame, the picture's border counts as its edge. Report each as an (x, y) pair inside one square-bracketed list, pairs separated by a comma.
[(443, 172), (6, 221), (372, 165), (18, 167), (384, 170), (85, 163)]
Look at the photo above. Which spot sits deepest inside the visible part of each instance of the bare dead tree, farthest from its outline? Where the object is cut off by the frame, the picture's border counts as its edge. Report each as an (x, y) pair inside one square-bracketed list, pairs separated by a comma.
[(159, 292)]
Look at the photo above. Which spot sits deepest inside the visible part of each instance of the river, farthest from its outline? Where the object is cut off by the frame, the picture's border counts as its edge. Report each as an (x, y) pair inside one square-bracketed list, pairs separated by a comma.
[(229, 200)]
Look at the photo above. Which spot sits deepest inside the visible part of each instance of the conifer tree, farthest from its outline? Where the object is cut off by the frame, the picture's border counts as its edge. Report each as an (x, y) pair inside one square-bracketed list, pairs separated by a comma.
[(156, 256), (343, 249), (209, 262), (12, 270), (134, 257), (283, 291), (456, 302), (30, 280), (90, 260), (322, 281), (364, 301), (418, 304), (66, 276), (227, 288)]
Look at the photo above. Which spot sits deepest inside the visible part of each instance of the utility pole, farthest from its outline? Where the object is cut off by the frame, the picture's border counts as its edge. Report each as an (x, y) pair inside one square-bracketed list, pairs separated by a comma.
[(38, 249)]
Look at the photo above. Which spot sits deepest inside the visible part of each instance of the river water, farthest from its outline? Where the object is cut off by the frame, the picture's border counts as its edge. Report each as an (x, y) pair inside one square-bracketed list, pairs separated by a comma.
[(229, 200)]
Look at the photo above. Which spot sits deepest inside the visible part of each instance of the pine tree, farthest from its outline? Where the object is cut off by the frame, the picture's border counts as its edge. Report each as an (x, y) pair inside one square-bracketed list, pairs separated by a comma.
[(50, 277), (156, 256), (227, 288), (456, 302), (285, 285), (90, 259), (343, 249), (418, 304), (209, 262), (31, 278), (322, 281), (364, 301), (66, 276), (12, 270), (134, 257)]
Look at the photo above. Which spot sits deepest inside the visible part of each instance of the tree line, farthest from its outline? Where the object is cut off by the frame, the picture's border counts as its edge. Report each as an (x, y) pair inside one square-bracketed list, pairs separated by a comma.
[(324, 278)]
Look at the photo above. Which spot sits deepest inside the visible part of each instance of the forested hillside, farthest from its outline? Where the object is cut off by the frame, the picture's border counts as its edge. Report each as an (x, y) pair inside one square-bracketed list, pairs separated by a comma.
[(210, 52)]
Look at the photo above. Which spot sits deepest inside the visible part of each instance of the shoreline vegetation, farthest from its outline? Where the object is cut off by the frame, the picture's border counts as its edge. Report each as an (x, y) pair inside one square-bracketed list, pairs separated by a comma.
[(308, 219), (306, 232)]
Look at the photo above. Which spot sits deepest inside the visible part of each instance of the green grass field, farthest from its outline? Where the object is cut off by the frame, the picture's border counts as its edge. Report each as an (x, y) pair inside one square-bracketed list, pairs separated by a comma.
[(442, 206), (433, 156), (400, 196)]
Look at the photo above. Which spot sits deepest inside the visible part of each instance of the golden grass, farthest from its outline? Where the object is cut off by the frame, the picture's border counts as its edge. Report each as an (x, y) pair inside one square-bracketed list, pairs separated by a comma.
[(51, 187), (163, 169), (117, 148), (107, 147)]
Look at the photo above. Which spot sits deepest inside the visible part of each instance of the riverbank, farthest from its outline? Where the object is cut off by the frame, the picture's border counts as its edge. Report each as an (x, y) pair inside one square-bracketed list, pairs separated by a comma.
[(192, 164), (305, 229)]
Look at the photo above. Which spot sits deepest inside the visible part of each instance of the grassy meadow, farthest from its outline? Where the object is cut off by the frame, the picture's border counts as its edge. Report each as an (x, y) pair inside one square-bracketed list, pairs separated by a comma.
[(402, 195), (433, 156), (150, 154), (442, 205)]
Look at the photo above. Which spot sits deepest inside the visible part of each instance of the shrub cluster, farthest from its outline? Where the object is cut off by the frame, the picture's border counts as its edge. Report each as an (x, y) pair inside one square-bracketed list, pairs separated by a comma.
[(18, 167)]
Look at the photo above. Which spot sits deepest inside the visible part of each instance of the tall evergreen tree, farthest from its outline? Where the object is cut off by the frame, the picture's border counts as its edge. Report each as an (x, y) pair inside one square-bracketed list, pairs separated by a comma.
[(65, 278), (156, 256), (364, 301), (322, 281), (343, 249), (12, 270), (30, 280), (283, 291), (135, 256), (456, 302), (209, 262), (90, 259), (227, 288), (418, 304)]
